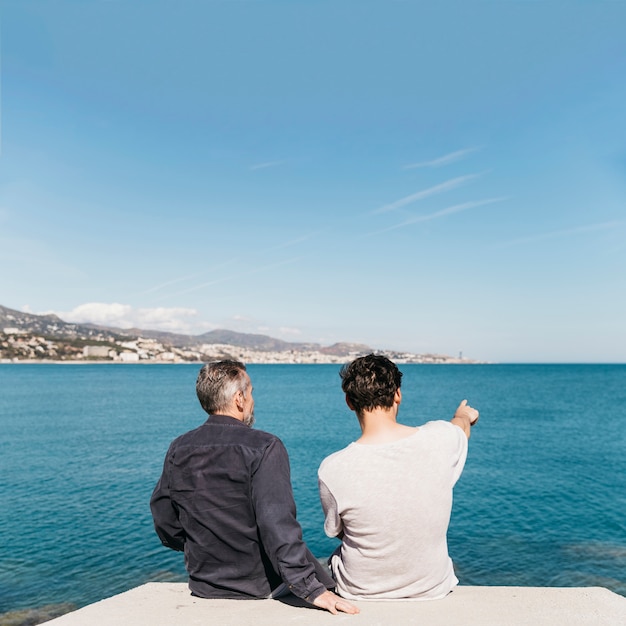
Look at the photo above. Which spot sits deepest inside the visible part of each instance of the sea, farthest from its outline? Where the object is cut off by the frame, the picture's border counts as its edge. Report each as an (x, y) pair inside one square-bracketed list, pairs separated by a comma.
[(541, 502)]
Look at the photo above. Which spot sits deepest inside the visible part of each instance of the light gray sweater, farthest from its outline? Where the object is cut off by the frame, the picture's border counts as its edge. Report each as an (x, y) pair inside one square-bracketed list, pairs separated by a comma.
[(392, 502)]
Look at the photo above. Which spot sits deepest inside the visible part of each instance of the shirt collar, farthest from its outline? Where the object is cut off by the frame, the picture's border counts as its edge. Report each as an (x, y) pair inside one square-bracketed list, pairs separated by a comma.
[(224, 419)]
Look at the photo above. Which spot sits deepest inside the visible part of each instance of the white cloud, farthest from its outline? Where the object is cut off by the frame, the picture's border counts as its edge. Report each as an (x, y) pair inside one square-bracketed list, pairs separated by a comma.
[(175, 319)]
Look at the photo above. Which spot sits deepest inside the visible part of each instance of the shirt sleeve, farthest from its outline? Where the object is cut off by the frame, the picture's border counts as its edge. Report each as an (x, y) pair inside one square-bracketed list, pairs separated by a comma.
[(458, 450), (165, 512), (333, 526), (280, 532)]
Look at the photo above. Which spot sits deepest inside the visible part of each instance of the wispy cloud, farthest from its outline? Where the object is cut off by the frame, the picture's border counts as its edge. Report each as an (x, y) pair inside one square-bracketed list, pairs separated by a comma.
[(425, 193), (212, 269), (174, 281), (443, 160), (456, 208), (561, 233), (265, 165), (294, 242), (222, 279), (186, 278)]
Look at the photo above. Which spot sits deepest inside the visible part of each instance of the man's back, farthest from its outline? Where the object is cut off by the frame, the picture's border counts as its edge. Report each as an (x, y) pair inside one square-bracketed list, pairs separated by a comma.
[(225, 498), (392, 502)]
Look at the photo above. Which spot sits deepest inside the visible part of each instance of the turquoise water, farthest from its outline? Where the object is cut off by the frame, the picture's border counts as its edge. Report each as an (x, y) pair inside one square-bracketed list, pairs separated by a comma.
[(542, 500)]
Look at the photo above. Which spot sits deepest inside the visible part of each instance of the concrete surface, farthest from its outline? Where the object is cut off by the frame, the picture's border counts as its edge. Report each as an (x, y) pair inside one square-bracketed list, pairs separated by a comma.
[(170, 604)]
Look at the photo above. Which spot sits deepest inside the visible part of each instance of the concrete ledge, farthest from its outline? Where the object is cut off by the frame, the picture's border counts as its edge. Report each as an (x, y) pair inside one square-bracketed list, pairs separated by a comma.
[(170, 604)]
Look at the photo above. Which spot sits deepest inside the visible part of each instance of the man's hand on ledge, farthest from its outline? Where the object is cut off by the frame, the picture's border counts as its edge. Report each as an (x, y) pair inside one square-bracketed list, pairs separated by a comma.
[(335, 604)]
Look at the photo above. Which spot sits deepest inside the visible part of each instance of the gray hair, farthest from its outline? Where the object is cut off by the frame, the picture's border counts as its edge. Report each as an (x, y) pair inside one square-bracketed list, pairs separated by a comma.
[(218, 382)]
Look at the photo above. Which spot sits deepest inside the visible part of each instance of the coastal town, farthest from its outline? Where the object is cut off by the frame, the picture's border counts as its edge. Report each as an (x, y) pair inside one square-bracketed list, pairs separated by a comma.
[(26, 347), (25, 337)]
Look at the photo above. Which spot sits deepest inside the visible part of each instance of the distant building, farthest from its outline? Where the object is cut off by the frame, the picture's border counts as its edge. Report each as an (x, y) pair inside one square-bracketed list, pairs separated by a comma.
[(101, 352)]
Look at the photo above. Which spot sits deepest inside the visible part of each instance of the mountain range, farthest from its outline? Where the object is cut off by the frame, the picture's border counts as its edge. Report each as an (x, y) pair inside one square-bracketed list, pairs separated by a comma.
[(53, 327)]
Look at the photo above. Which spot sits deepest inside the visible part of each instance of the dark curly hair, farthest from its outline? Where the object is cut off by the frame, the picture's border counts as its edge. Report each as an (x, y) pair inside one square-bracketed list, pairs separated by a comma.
[(370, 382)]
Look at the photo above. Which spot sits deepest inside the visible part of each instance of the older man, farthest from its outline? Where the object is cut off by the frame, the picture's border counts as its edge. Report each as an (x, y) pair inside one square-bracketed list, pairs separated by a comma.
[(388, 495), (225, 499)]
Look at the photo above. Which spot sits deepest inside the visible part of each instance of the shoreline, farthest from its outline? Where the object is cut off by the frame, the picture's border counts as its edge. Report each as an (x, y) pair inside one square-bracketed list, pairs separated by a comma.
[(247, 362)]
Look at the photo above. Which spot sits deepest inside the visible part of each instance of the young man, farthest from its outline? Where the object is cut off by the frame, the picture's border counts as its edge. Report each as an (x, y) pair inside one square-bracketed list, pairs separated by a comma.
[(388, 496), (225, 499)]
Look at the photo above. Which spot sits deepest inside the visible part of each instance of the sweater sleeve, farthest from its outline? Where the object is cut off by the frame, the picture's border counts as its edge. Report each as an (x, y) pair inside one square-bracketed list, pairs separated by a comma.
[(280, 532), (333, 525), (458, 451)]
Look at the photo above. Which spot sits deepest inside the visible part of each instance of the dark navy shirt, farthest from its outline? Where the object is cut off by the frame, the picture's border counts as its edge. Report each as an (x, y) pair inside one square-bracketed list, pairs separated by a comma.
[(225, 499)]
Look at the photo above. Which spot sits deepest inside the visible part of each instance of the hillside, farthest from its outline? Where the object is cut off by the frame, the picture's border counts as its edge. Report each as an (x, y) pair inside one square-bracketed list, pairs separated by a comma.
[(30, 337), (53, 326), (26, 336)]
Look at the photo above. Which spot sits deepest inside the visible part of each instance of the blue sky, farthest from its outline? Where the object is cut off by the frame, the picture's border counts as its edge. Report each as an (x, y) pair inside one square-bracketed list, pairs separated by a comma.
[(433, 177)]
